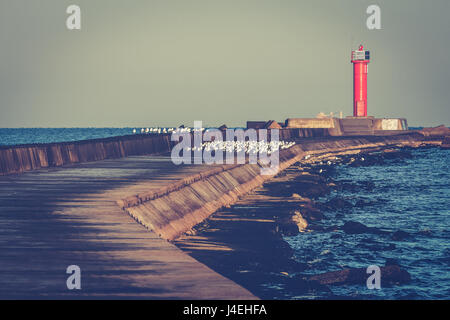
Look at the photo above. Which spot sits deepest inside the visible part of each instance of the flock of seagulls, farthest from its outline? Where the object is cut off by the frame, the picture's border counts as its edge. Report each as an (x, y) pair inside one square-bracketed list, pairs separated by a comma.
[(159, 130), (249, 147)]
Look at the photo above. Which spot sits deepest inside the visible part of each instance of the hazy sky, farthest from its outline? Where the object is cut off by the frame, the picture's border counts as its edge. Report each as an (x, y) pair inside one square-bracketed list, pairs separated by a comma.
[(146, 63)]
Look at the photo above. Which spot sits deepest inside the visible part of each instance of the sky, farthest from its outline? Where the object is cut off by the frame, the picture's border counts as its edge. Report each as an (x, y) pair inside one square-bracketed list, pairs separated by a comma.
[(141, 63)]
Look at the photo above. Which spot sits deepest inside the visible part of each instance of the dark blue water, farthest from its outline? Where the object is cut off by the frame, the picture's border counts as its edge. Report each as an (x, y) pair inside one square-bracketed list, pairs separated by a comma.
[(15, 136), (412, 195)]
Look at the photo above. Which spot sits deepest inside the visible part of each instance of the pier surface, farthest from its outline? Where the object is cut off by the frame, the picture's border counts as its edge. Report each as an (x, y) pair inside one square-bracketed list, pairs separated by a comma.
[(57, 217)]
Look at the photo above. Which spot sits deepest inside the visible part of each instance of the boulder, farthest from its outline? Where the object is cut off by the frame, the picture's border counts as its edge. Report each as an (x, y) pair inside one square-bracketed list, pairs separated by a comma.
[(436, 131), (338, 203), (397, 154), (400, 235), (311, 213), (425, 232), (299, 285), (390, 274), (293, 225), (353, 227), (299, 221), (300, 198), (446, 142)]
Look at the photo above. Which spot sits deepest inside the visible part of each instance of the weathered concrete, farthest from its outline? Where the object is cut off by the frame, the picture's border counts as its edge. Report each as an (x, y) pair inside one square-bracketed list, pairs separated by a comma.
[(56, 217), (350, 126), (176, 209), (311, 123)]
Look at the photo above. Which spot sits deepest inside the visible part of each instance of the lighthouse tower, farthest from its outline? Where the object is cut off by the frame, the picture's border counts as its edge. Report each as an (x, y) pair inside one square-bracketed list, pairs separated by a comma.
[(360, 60)]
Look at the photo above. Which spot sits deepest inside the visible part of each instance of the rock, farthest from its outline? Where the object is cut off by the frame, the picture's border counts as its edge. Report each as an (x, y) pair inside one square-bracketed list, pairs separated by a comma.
[(311, 185), (301, 223), (292, 222), (299, 197), (287, 228), (292, 225), (311, 213), (338, 203), (367, 160), (341, 277), (394, 274), (446, 142), (391, 261), (436, 131), (299, 285), (390, 274), (397, 154), (425, 232), (400, 235), (316, 228), (352, 227), (279, 189)]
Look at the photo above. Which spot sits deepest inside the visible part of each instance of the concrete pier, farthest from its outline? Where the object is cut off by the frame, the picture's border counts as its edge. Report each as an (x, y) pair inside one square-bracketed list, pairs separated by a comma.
[(53, 218), (74, 215)]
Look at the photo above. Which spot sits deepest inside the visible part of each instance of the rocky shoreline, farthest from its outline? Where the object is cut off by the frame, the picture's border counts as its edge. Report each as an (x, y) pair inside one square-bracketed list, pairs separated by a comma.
[(246, 241)]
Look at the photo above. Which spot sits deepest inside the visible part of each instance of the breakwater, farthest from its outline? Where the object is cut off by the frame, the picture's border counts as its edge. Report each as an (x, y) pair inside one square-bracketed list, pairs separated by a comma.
[(175, 208), (178, 207), (58, 208), (27, 157)]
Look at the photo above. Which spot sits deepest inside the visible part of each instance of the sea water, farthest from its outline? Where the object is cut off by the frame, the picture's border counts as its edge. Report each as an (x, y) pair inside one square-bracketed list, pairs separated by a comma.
[(411, 195)]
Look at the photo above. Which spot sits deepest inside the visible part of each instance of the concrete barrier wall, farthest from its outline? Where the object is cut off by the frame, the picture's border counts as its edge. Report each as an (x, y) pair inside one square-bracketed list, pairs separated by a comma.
[(446, 143), (22, 158), (292, 134), (177, 208), (310, 122)]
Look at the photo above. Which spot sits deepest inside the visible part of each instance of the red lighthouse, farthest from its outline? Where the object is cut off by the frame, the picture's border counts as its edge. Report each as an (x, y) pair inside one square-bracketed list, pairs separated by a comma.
[(360, 60)]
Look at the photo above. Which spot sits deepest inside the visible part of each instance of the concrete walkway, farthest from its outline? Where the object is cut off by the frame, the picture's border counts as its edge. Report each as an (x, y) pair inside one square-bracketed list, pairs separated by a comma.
[(53, 218)]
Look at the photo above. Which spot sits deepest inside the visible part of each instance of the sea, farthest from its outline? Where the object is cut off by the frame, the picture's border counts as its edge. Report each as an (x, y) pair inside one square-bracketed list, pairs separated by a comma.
[(409, 195), (17, 136)]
